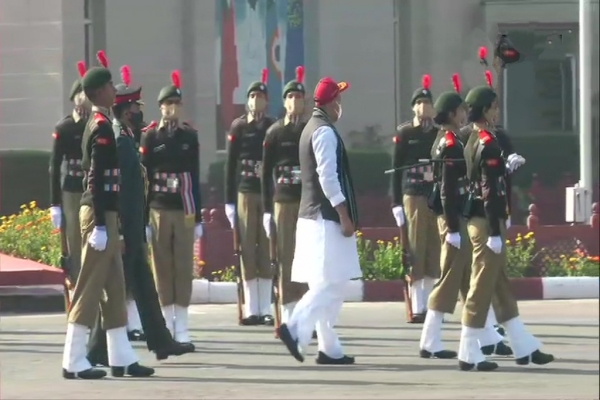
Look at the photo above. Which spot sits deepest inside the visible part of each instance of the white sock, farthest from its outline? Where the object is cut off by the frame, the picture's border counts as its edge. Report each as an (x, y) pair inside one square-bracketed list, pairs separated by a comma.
[(265, 296), (468, 349), (120, 351), (416, 296), (431, 336), (522, 342), (181, 324), (133, 317), (251, 299), (75, 351), (168, 313)]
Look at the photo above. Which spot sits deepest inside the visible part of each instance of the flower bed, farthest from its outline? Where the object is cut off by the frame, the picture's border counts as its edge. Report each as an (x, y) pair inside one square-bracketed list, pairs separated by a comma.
[(30, 235)]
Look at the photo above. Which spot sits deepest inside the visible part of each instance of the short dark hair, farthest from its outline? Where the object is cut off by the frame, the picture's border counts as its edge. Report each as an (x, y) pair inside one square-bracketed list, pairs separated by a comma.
[(476, 113), (442, 118)]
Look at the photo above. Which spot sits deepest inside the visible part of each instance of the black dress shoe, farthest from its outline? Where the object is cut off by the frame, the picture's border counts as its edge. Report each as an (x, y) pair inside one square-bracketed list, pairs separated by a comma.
[(417, 319), (292, 344), (498, 349), (251, 320), (267, 320), (136, 336), (442, 354), (324, 359), (175, 349), (537, 357), (135, 370), (91, 373), (484, 366)]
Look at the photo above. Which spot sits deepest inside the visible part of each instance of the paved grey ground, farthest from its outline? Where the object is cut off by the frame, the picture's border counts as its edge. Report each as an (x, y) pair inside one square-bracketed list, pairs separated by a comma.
[(248, 363)]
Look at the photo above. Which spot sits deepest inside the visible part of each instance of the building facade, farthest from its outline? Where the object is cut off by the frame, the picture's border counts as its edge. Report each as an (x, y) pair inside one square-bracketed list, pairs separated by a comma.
[(382, 48)]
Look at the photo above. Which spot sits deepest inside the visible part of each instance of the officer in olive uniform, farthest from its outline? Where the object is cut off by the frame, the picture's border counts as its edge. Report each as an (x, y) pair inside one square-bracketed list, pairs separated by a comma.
[(281, 189), (170, 152), (243, 205), (486, 211), (138, 274), (101, 279), (410, 190), (66, 148)]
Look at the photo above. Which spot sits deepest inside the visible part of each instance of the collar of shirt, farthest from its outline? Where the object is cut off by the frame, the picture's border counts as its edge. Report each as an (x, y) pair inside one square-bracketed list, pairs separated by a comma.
[(102, 110), (291, 119), (124, 128), (169, 125), (425, 124), (254, 117)]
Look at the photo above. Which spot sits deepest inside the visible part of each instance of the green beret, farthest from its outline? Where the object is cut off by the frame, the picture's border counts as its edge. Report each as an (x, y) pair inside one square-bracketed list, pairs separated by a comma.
[(257, 86), (168, 92), (421, 93), (480, 96), (95, 78), (293, 86), (447, 102), (76, 88)]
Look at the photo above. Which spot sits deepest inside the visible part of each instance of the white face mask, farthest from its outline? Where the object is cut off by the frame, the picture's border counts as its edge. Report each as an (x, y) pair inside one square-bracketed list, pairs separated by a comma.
[(339, 112), (171, 111)]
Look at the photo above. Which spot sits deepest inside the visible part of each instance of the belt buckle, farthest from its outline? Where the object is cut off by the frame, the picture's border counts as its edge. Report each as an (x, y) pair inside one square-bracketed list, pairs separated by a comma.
[(257, 167), (428, 176), (172, 183)]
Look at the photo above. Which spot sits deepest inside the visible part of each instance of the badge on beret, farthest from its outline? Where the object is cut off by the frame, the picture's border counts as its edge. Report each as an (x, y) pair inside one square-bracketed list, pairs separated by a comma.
[(178, 92), (299, 87), (424, 92), (262, 87)]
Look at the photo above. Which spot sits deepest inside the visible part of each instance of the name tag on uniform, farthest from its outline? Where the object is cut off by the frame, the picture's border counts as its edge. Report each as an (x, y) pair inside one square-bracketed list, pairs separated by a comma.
[(428, 176), (172, 183)]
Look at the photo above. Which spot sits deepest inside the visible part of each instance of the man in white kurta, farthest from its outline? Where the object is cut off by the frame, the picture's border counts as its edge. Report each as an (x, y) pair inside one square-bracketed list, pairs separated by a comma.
[(326, 256)]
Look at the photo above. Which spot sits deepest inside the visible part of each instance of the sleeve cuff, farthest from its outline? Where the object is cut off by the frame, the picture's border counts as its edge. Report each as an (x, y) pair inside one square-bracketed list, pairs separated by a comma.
[(337, 199)]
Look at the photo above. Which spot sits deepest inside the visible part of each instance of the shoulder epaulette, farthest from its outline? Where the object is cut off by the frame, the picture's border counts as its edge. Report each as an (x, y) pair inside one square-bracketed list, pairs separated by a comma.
[(99, 118), (449, 139), (151, 125), (403, 126), (485, 137)]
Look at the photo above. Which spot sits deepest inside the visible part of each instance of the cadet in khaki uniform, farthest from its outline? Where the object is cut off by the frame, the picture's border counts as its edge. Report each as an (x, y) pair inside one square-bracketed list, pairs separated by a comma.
[(243, 204), (449, 198), (170, 152), (281, 188), (410, 190), (101, 279), (66, 197), (486, 211)]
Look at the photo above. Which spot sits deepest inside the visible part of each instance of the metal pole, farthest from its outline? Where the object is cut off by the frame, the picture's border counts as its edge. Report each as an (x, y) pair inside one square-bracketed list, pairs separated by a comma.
[(585, 95)]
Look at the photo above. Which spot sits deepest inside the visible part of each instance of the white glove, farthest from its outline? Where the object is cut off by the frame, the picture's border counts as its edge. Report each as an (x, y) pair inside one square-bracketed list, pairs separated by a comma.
[(198, 231), (398, 213), (508, 223), (267, 224), (230, 213), (148, 233), (453, 239), (495, 244), (98, 238), (56, 216), (514, 161)]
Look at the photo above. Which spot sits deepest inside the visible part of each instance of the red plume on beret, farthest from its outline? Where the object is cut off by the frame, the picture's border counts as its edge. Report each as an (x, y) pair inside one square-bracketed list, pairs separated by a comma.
[(456, 82), (102, 59), (176, 79), (426, 82), (81, 68), (483, 53), (265, 76), (300, 74), (126, 75), (488, 78)]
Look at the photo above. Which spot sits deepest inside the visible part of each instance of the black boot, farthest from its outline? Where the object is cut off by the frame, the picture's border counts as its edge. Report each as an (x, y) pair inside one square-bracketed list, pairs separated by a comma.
[(135, 370), (267, 320), (537, 357), (442, 354), (174, 349), (91, 373), (98, 360), (484, 366), (324, 359), (251, 320), (417, 319), (499, 349), (136, 336)]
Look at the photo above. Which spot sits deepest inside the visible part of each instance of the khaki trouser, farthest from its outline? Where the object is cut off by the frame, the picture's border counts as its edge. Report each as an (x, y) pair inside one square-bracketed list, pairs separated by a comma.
[(423, 238), (101, 277), (285, 217), (253, 240), (489, 279), (456, 270), (71, 204), (172, 256)]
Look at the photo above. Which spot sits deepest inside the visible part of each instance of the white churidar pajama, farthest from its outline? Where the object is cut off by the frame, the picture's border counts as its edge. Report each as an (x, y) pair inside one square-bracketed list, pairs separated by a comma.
[(323, 258)]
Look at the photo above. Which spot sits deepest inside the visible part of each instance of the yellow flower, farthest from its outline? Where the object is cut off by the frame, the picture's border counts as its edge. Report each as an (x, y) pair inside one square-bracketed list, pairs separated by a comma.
[(43, 248), (23, 206), (507, 241), (573, 259), (529, 236), (519, 238), (32, 204), (3, 218), (380, 242), (359, 233), (563, 256), (396, 239), (518, 235)]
